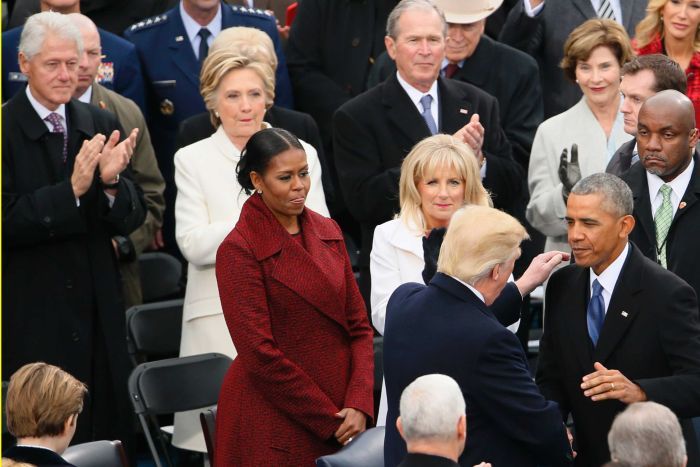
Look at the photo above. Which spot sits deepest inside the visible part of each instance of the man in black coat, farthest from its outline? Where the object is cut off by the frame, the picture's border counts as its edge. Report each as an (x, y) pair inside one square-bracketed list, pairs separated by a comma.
[(374, 131), (618, 328), (667, 140), (63, 199)]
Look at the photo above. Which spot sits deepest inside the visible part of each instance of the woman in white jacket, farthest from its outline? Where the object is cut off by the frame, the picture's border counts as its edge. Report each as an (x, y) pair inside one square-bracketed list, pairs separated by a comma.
[(236, 91), (439, 176)]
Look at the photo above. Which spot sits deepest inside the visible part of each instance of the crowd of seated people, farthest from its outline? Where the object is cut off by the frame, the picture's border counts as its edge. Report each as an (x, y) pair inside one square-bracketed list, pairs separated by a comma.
[(336, 176)]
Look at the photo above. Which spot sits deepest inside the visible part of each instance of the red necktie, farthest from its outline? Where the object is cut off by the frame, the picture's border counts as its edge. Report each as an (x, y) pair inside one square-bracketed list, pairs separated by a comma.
[(450, 70)]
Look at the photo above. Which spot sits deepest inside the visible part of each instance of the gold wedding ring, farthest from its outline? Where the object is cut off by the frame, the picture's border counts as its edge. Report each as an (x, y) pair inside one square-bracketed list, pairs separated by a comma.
[(612, 386)]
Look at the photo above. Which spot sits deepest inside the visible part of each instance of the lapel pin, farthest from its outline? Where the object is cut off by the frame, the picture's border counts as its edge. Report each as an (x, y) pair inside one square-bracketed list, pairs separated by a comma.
[(624, 314), (463, 111), (682, 205), (102, 105), (179, 39)]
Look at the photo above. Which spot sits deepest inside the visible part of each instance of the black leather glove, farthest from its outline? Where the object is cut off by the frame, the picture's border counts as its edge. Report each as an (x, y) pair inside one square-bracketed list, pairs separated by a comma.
[(569, 171), (431, 251)]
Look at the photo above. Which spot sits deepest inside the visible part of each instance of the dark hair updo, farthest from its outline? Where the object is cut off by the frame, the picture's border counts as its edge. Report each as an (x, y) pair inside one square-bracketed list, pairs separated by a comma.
[(261, 148)]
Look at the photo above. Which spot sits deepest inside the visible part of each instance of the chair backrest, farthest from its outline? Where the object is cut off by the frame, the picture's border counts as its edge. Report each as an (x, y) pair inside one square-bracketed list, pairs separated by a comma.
[(97, 454), (177, 384), (161, 274), (366, 450), (153, 330), (208, 421)]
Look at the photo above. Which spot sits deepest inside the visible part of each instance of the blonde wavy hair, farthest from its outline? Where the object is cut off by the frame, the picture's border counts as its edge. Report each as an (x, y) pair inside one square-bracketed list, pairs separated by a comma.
[(426, 157), (652, 25)]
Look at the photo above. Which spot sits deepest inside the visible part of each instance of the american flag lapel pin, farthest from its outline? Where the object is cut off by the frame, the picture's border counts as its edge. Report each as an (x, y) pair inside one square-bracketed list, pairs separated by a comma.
[(682, 205), (624, 314), (463, 111)]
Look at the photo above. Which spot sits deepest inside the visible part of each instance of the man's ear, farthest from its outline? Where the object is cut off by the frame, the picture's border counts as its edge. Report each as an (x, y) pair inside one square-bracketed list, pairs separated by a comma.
[(462, 427), (627, 224), (69, 423), (399, 426), (23, 62), (390, 45), (495, 272)]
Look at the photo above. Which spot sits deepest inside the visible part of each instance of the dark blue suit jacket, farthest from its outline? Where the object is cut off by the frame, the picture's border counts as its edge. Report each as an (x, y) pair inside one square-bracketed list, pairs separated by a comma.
[(119, 56), (172, 72), (444, 328)]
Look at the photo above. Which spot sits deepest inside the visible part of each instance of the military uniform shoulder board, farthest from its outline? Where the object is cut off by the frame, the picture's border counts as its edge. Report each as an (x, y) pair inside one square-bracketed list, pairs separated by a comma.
[(251, 11), (149, 22)]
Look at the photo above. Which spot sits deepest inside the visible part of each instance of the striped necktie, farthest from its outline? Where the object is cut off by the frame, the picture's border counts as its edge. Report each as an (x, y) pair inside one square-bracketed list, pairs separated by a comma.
[(662, 221), (605, 10)]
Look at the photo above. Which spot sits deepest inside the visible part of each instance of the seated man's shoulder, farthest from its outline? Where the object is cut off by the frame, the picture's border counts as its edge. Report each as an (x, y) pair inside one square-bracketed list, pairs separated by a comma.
[(145, 29)]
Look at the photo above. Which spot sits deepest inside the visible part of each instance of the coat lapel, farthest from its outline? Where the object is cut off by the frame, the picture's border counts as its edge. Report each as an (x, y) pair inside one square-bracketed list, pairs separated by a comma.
[(623, 308), (80, 127), (181, 49), (637, 181), (455, 107), (402, 112), (690, 197), (585, 7), (578, 327)]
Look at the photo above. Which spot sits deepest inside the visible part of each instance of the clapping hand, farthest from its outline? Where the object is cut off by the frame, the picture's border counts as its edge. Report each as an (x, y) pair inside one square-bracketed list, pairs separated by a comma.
[(85, 163), (115, 157), (569, 171), (473, 134)]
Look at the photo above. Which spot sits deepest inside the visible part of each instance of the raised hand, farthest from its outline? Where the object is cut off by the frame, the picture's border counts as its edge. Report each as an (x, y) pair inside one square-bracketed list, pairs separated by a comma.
[(473, 134), (85, 163), (569, 171), (115, 157)]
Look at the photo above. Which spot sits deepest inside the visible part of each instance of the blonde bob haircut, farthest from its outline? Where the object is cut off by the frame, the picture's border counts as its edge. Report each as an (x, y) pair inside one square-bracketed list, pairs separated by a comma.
[(426, 157), (40, 398), (590, 35), (220, 63), (248, 42), (652, 26), (478, 239)]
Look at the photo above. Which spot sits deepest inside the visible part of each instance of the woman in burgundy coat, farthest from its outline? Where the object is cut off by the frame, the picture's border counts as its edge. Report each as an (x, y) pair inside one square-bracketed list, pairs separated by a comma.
[(301, 385)]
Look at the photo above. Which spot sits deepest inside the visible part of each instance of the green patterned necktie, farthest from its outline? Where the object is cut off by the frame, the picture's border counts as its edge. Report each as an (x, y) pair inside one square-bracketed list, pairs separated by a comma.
[(663, 218)]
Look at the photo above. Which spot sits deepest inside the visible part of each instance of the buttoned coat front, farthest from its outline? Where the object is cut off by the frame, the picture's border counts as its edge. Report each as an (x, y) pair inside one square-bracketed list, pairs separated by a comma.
[(304, 342)]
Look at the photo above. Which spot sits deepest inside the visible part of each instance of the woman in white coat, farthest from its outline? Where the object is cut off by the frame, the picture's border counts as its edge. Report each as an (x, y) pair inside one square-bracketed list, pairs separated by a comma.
[(593, 56), (439, 176), (236, 91)]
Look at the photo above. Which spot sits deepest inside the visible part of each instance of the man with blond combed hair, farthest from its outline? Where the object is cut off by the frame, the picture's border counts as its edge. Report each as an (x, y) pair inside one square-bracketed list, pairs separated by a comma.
[(446, 327), (647, 434), (42, 404)]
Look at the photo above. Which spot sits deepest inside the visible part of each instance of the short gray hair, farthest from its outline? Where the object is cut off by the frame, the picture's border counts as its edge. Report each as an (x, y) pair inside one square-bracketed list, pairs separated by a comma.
[(617, 196), (647, 434), (430, 408), (42, 24), (406, 5)]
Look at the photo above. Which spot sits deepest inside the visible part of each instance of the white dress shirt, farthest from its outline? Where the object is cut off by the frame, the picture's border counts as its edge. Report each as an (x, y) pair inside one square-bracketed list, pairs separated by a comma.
[(415, 95), (678, 186), (192, 28), (44, 112), (608, 278)]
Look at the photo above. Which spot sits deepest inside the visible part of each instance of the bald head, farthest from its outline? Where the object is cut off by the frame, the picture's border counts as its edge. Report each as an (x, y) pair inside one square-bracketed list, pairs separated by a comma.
[(666, 134), (92, 56)]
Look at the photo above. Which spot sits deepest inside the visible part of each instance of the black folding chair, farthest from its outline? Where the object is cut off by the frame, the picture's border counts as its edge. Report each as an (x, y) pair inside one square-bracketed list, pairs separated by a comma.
[(161, 276), (153, 330), (175, 385), (208, 421), (366, 450), (97, 454)]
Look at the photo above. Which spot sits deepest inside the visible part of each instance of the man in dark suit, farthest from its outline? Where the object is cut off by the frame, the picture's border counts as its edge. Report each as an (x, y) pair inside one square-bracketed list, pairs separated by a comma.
[(119, 71), (667, 139), (374, 131), (433, 422), (63, 199), (642, 77), (446, 327), (618, 328), (172, 78), (541, 27)]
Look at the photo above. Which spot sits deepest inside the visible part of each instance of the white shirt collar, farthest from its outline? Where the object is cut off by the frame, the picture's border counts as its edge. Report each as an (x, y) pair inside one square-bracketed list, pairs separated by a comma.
[(87, 96), (192, 27), (608, 278), (476, 292), (43, 111), (679, 185), (415, 95)]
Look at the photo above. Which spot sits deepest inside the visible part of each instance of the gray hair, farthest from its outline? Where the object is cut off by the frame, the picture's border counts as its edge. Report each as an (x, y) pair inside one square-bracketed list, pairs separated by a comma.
[(617, 196), (406, 5), (431, 407), (40, 25), (647, 434)]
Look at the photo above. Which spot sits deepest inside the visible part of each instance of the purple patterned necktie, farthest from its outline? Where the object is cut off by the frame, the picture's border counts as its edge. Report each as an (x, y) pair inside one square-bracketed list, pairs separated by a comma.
[(55, 119)]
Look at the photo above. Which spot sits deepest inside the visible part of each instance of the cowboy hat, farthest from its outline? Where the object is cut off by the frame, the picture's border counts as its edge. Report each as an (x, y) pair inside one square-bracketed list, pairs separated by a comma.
[(467, 11)]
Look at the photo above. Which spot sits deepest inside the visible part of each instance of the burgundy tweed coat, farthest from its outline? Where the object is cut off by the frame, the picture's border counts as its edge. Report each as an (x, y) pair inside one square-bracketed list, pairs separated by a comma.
[(304, 342)]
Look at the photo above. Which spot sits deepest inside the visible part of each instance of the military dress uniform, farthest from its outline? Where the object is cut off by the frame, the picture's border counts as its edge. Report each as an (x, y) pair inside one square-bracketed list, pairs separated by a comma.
[(120, 70), (171, 71)]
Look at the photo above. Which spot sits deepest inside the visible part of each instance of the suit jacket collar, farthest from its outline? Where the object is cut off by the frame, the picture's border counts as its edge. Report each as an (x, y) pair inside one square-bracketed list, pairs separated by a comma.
[(315, 259), (402, 112), (585, 7), (460, 291), (472, 69), (35, 455), (181, 48), (456, 105), (426, 460), (407, 239)]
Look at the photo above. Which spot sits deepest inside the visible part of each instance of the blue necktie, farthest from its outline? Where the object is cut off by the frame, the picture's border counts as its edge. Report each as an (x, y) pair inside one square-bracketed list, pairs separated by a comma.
[(596, 312), (203, 44), (425, 101)]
